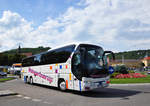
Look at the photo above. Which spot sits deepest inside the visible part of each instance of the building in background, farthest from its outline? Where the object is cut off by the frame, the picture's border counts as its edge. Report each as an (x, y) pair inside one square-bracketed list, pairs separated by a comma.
[(27, 54), (146, 61), (132, 63)]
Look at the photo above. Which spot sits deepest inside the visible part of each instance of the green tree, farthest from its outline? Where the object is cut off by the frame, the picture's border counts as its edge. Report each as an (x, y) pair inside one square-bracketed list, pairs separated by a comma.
[(3, 59)]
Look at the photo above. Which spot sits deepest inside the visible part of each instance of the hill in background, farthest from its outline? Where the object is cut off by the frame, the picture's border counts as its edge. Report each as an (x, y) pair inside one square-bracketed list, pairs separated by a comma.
[(12, 56), (7, 58), (28, 50), (137, 54)]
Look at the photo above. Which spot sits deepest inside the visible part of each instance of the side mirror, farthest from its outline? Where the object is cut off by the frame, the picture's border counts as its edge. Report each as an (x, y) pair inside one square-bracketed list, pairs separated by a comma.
[(106, 52)]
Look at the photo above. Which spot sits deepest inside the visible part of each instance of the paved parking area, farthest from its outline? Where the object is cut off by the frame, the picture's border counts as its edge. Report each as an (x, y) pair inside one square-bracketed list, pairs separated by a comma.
[(138, 95)]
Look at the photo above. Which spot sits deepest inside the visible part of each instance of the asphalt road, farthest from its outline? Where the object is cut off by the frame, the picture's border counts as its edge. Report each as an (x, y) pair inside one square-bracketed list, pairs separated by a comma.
[(37, 95)]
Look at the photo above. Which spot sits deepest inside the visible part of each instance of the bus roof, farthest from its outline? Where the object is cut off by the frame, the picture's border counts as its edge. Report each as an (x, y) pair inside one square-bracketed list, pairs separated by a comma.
[(76, 43), (57, 47)]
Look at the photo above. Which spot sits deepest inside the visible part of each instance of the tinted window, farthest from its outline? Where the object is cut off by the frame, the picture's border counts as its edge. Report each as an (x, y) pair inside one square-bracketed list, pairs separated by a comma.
[(28, 61), (37, 60), (60, 55), (87, 62)]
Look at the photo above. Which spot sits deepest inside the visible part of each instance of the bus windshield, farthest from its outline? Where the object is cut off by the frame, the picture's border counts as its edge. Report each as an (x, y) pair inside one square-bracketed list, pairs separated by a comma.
[(88, 61), (94, 62)]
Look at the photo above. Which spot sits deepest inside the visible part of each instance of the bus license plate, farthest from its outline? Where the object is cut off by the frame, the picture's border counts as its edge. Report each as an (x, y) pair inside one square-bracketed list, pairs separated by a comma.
[(104, 84)]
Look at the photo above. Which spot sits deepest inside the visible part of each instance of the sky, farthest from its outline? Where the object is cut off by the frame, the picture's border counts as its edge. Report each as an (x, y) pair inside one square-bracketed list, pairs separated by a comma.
[(117, 25)]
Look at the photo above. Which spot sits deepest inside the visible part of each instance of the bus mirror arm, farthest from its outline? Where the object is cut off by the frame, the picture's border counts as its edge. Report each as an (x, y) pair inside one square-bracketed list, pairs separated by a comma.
[(113, 55)]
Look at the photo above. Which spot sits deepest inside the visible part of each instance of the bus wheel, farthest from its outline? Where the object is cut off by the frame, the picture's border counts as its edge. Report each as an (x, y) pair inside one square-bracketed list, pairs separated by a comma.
[(62, 85), (27, 80), (31, 80)]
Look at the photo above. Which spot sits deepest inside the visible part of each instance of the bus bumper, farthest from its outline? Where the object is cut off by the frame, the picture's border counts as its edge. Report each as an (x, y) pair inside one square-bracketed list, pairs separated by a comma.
[(94, 84)]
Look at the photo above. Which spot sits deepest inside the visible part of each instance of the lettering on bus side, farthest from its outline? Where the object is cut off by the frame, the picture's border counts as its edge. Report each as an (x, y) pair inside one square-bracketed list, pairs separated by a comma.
[(41, 75)]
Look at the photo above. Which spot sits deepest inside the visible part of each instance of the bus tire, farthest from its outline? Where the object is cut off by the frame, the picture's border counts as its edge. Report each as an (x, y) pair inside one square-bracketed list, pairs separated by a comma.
[(28, 80), (62, 84), (31, 80)]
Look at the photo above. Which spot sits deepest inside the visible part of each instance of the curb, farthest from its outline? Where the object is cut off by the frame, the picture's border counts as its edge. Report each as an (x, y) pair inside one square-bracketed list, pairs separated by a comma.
[(7, 93), (134, 84)]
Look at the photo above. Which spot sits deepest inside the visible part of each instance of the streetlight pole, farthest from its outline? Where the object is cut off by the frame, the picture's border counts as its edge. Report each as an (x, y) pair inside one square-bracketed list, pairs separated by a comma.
[(122, 59)]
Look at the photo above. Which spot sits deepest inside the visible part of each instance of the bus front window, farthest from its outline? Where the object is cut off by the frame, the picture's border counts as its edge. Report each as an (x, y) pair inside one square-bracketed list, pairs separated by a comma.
[(89, 62), (95, 63)]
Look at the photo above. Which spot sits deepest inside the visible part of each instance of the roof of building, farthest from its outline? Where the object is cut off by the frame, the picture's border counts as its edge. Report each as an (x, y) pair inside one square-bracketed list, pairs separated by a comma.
[(126, 60), (27, 54), (146, 58)]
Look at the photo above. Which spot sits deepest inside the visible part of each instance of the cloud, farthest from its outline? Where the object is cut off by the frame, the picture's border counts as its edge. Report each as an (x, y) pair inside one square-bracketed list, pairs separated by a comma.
[(114, 24), (13, 30), (10, 20), (134, 30)]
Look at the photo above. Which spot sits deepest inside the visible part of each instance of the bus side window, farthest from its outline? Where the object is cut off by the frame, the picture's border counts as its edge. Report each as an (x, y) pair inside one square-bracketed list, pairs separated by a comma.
[(37, 60), (28, 62)]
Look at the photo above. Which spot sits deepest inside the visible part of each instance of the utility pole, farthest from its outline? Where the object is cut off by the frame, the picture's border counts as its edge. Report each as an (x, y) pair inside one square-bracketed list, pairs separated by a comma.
[(146, 54), (122, 59)]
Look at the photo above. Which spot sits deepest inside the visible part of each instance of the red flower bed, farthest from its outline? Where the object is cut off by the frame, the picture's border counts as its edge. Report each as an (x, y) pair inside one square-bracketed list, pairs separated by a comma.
[(130, 75)]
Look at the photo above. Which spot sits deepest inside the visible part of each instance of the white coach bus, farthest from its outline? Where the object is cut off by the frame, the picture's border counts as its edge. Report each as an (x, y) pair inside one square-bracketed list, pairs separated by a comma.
[(79, 67)]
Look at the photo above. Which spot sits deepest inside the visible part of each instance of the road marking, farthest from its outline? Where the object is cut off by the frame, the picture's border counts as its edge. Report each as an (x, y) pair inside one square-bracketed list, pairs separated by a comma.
[(19, 95), (26, 97), (47, 102), (36, 100)]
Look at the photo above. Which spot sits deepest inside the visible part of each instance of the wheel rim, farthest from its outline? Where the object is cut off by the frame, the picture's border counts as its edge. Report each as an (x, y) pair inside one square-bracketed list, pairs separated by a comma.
[(62, 85)]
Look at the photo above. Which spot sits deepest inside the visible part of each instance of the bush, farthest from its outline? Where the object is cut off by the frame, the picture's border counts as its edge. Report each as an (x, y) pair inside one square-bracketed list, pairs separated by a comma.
[(143, 73), (121, 69), (114, 74), (131, 71)]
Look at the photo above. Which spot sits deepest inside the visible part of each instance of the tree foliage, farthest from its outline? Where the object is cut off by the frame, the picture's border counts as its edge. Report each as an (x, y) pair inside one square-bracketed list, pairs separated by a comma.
[(121, 69), (9, 59), (138, 54), (12, 56)]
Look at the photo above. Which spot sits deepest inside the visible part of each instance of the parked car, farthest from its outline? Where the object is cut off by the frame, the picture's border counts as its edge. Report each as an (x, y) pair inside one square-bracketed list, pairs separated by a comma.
[(3, 73)]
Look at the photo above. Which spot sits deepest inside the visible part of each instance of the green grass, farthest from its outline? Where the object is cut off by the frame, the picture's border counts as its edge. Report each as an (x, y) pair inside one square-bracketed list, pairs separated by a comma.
[(11, 75), (5, 79), (130, 80)]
